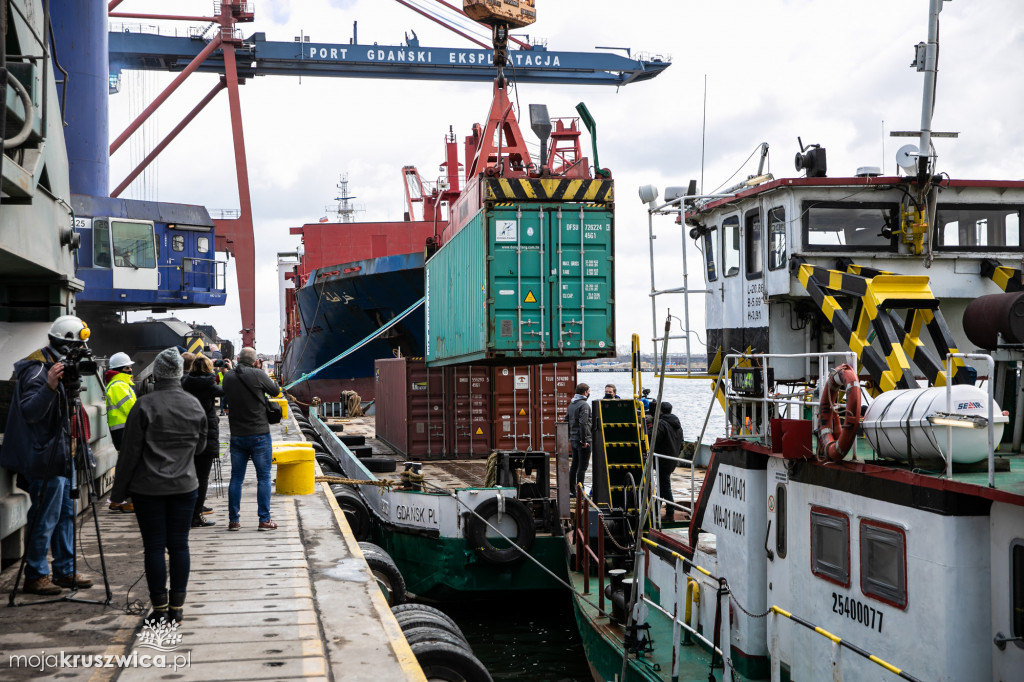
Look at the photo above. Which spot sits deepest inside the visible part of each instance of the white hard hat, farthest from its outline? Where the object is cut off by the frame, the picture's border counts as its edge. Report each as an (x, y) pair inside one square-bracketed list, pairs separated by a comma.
[(120, 360), (69, 328)]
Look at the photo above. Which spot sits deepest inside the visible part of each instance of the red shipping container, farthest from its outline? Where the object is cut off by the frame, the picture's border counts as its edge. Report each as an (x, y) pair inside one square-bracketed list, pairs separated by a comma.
[(470, 425), (513, 407), (411, 414), (553, 388)]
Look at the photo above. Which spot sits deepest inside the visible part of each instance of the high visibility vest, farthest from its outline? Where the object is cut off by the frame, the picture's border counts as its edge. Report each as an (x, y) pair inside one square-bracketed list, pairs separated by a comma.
[(120, 400)]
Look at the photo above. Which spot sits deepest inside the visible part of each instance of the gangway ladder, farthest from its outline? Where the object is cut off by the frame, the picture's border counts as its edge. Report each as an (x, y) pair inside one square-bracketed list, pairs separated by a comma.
[(674, 205), (619, 444)]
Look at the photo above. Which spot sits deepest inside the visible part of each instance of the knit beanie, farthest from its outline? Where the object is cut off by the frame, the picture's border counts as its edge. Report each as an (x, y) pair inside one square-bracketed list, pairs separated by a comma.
[(168, 364)]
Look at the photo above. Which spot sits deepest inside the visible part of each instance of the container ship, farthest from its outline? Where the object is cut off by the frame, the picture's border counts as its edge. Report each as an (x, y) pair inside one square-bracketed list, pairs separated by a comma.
[(350, 280)]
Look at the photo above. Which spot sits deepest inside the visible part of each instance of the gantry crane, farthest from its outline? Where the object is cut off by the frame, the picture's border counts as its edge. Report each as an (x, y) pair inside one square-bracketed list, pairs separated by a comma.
[(221, 48)]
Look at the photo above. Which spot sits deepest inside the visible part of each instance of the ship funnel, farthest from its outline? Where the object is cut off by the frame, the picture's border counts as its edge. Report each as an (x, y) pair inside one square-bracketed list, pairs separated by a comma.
[(540, 122)]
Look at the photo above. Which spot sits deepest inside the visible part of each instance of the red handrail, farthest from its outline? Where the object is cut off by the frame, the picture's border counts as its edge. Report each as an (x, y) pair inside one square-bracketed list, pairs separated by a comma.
[(581, 536)]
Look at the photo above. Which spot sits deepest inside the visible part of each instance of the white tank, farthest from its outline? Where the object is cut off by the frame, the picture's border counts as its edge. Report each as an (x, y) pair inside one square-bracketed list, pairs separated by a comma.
[(897, 419)]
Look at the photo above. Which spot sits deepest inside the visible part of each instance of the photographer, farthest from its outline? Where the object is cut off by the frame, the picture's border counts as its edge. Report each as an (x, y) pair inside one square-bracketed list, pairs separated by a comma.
[(37, 446)]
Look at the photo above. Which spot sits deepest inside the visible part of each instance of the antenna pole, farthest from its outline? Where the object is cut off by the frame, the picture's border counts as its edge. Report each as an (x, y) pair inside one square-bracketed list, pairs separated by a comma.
[(931, 58), (703, 130)]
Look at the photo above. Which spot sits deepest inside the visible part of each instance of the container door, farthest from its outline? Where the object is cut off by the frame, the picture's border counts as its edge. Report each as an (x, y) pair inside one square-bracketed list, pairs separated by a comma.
[(134, 252), (513, 408), (553, 387), (517, 277), (427, 418), (471, 418), (583, 314)]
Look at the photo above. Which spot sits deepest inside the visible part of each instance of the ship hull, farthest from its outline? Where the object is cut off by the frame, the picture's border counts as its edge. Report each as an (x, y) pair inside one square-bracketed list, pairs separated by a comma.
[(341, 306)]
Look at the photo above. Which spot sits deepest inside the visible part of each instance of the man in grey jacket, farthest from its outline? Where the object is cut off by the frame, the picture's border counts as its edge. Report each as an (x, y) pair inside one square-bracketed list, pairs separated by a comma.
[(246, 389), (578, 416)]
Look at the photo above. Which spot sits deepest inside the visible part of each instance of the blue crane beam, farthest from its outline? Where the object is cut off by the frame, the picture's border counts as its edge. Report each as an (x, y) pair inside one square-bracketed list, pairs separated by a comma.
[(258, 56)]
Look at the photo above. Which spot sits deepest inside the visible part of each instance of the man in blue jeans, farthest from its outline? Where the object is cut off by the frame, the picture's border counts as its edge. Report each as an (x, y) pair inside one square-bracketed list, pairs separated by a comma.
[(37, 445), (245, 391)]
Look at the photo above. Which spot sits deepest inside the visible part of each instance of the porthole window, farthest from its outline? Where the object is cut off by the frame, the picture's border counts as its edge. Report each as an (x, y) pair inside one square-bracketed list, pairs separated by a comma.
[(780, 521), (830, 545), (1017, 578), (178, 242), (883, 562)]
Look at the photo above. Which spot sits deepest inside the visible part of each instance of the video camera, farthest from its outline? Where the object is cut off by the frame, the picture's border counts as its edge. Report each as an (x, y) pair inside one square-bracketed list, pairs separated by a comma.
[(78, 361)]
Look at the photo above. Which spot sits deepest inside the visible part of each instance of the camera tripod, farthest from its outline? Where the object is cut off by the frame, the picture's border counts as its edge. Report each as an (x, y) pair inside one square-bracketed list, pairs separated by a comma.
[(83, 477)]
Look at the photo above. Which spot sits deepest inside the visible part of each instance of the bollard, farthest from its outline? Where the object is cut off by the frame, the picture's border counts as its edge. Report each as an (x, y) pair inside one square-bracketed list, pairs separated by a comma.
[(283, 404), (295, 472)]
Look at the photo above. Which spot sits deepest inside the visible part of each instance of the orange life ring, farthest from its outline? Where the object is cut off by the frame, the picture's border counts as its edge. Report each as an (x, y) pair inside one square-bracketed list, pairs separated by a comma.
[(830, 447)]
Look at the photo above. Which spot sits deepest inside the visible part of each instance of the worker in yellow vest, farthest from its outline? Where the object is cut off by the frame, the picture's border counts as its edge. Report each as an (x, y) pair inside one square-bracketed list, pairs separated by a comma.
[(120, 400)]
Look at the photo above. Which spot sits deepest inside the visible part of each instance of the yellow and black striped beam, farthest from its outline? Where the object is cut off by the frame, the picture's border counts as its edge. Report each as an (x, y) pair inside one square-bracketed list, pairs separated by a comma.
[(550, 190), (843, 643), (1007, 279), (820, 283)]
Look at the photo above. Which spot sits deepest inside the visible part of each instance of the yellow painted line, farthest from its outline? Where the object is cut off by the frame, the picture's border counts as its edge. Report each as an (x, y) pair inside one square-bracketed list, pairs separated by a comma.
[(826, 633), (677, 555), (396, 638), (592, 190), (119, 645), (528, 189), (1002, 276), (506, 188), (571, 190), (782, 611)]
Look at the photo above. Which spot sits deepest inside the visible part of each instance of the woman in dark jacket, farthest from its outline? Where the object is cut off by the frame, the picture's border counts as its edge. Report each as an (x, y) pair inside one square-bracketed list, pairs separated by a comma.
[(165, 431), (202, 383)]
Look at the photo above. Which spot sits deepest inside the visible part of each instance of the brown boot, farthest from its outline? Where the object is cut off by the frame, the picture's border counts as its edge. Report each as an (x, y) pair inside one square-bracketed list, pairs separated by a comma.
[(669, 517), (41, 585), (72, 581)]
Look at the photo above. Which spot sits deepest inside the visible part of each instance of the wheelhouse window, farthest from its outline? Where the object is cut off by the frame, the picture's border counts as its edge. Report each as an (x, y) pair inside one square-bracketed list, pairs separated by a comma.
[(850, 226), (178, 242), (100, 244), (731, 246), (777, 238), (883, 562), (780, 521), (710, 239), (830, 545), (752, 223), (978, 227), (134, 246), (203, 244), (1017, 577)]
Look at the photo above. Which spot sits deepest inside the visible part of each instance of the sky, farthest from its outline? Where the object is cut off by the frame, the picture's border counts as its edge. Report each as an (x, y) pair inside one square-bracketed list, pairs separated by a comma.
[(743, 72)]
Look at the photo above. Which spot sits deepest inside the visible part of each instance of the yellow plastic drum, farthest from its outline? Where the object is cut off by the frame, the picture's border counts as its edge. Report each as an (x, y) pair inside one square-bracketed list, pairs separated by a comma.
[(295, 473), (283, 404)]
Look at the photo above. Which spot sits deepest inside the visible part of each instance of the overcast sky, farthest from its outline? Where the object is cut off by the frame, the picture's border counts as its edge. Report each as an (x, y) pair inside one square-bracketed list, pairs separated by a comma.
[(834, 73)]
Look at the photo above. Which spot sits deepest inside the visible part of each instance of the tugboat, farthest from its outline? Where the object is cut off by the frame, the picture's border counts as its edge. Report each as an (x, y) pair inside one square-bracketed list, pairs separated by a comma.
[(863, 515)]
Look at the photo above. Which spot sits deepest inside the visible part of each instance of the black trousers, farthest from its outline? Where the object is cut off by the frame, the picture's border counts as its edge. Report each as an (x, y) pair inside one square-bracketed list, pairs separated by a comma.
[(165, 521), (204, 462)]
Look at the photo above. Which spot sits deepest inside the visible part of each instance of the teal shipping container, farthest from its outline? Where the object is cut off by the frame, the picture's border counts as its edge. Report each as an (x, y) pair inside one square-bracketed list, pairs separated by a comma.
[(523, 283)]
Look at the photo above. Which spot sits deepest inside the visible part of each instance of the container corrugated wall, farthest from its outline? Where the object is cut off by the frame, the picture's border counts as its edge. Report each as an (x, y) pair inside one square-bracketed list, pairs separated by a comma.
[(522, 283), (468, 411)]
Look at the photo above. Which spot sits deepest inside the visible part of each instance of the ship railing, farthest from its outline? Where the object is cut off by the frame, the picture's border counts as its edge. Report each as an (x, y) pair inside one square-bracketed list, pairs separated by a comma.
[(584, 552), (682, 613), (951, 421), (754, 426), (659, 459), (836, 641), (198, 274)]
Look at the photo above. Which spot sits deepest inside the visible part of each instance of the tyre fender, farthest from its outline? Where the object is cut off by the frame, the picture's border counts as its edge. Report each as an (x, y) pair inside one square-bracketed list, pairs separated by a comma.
[(388, 577), (423, 619), (427, 633), (448, 662), (423, 608), (356, 512), (476, 531)]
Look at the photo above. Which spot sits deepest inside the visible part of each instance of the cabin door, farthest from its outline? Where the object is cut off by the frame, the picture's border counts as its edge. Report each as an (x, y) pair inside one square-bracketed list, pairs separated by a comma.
[(191, 257), (133, 249)]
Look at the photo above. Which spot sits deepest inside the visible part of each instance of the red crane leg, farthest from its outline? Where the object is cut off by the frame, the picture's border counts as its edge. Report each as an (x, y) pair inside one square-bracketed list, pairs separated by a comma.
[(113, 4), (193, 65), (167, 140), (163, 17), (240, 231)]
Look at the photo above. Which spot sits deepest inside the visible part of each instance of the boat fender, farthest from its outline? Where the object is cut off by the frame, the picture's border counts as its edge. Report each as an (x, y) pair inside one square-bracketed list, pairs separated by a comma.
[(421, 619), (386, 573), (356, 512), (844, 377), (442, 661), (427, 633), (476, 530), (423, 608)]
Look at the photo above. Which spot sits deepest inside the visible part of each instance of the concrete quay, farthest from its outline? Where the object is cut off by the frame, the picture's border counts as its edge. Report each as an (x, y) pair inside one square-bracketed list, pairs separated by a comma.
[(296, 602)]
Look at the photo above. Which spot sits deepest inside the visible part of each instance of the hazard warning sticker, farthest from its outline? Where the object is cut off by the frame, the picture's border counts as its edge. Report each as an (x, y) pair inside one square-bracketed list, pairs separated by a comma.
[(530, 298)]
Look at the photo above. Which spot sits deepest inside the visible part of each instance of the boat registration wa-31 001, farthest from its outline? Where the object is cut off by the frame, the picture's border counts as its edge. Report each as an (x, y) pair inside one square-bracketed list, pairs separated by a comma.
[(863, 516)]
